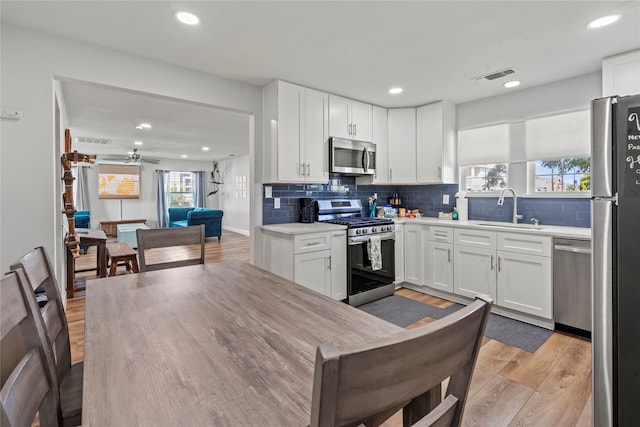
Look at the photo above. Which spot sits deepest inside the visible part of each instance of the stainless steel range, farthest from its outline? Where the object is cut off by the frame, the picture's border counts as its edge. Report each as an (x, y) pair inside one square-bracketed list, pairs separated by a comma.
[(365, 282)]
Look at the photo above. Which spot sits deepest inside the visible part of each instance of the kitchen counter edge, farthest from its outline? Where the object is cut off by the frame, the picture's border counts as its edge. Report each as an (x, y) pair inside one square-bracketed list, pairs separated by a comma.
[(545, 230), (294, 228)]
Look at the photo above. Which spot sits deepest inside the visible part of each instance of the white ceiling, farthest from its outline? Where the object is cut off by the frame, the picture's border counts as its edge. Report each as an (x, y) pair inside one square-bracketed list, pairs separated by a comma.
[(359, 49)]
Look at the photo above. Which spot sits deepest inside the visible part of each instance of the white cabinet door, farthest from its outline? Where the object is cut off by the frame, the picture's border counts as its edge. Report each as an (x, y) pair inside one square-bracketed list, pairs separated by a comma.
[(381, 139), (474, 271), (339, 119), (413, 253), (289, 132), (399, 250), (316, 142), (311, 270), (429, 140), (436, 143), (338, 265), (402, 145), (439, 266), (621, 74), (525, 283), (361, 121)]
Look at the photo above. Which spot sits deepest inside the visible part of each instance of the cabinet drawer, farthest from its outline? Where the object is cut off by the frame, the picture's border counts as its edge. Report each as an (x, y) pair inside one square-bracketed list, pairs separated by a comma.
[(476, 238), (305, 243), (441, 234), (525, 244)]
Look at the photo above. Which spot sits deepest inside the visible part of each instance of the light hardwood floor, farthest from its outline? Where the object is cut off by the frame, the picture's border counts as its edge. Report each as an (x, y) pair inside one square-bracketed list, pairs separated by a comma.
[(510, 387)]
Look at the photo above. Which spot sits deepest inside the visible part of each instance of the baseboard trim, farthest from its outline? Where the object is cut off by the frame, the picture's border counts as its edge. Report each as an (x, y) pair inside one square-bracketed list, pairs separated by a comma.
[(237, 230)]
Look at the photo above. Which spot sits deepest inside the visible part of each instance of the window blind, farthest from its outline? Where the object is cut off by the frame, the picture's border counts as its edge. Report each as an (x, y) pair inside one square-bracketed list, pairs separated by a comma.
[(559, 136), (485, 145), (117, 181)]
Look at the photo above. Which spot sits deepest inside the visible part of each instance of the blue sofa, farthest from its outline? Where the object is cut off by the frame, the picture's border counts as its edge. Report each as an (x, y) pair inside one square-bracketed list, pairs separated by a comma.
[(211, 218)]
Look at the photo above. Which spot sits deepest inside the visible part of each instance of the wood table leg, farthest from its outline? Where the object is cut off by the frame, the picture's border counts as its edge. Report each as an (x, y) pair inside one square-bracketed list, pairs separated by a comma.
[(71, 273), (102, 259), (134, 264)]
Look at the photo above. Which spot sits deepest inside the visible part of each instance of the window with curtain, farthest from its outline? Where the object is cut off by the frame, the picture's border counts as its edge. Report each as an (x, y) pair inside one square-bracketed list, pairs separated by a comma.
[(484, 158), (558, 153), (180, 190)]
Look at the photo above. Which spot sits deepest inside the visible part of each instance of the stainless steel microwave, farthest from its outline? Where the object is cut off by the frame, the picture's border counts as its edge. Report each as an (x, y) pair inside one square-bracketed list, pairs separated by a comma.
[(352, 157)]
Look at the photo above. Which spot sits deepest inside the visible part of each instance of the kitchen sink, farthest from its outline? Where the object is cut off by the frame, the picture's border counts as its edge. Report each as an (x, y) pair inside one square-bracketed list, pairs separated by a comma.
[(511, 225)]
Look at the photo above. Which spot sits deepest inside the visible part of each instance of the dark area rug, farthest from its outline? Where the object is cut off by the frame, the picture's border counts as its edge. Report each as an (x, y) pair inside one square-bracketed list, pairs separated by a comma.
[(403, 312)]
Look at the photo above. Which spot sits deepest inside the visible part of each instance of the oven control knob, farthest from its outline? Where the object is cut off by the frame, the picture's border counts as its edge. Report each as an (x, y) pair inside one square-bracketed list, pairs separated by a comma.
[(364, 231), (388, 228), (373, 230), (358, 231)]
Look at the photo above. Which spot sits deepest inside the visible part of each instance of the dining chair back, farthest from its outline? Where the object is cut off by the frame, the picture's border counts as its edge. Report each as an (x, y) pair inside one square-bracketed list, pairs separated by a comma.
[(368, 382), (154, 238), (40, 277), (28, 383)]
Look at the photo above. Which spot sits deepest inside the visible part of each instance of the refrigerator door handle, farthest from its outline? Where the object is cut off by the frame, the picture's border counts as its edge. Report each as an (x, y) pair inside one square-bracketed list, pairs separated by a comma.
[(602, 147), (602, 241)]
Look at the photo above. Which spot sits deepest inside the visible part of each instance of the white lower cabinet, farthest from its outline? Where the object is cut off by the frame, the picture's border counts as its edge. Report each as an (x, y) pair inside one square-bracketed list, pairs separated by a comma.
[(512, 268), (524, 283), (338, 265), (474, 271), (313, 270), (413, 253), (317, 261), (399, 250), (438, 250)]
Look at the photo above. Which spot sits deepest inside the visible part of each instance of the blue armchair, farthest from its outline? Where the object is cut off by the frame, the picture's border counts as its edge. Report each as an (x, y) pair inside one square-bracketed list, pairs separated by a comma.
[(211, 218), (82, 219)]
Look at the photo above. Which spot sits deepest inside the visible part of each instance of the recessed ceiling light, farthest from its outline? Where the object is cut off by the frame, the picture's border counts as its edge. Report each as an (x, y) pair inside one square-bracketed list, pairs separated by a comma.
[(395, 90), (184, 156), (138, 142), (139, 127), (145, 125), (187, 18), (601, 22), (512, 83), (130, 153), (205, 148)]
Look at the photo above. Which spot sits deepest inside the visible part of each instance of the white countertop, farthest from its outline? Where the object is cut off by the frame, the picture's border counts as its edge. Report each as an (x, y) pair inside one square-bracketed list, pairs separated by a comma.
[(547, 230), (293, 228)]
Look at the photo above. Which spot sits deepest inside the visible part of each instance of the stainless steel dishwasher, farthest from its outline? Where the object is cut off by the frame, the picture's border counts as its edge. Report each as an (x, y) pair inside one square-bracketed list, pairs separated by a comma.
[(572, 283)]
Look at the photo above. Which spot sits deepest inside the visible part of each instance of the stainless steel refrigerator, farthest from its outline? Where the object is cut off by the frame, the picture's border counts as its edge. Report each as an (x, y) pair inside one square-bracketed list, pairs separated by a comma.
[(615, 263)]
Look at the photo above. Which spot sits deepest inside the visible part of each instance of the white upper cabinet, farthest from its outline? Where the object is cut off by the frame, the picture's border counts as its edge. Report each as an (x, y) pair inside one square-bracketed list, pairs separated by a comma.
[(436, 144), (296, 131), (402, 146), (381, 139), (350, 119), (621, 74)]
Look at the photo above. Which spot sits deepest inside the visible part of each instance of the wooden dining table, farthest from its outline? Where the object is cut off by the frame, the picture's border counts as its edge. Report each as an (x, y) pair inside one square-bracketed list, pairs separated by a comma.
[(222, 344)]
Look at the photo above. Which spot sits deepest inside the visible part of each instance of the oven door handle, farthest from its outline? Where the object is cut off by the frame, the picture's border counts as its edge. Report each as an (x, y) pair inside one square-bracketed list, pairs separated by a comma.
[(358, 240)]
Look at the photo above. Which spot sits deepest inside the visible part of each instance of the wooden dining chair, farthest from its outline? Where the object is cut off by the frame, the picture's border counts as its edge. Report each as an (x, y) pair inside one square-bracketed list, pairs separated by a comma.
[(368, 382), (28, 383), (40, 277), (153, 238)]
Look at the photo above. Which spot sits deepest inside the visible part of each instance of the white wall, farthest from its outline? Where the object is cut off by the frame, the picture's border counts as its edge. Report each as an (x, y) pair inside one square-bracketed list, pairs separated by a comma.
[(145, 206), (564, 95), (29, 160), (236, 210)]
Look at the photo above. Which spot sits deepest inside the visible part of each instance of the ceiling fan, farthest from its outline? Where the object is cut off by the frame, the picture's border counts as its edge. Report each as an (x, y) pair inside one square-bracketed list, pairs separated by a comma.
[(134, 157)]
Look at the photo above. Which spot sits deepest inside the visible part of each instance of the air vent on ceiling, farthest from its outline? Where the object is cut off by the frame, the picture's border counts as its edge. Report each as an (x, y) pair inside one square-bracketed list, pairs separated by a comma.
[(89, 140), (495, 75)]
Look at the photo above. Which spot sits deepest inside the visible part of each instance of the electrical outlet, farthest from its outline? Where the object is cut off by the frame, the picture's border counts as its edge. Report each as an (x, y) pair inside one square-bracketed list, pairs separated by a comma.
[(276, 203), (445, 199), (268, 192)]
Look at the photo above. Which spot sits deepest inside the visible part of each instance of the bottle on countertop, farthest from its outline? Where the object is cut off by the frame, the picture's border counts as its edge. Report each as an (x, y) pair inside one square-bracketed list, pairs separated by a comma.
[(454, 214)]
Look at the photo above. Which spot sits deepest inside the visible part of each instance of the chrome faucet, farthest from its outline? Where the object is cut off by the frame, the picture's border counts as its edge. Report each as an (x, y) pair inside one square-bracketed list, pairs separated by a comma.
[(516, 217)]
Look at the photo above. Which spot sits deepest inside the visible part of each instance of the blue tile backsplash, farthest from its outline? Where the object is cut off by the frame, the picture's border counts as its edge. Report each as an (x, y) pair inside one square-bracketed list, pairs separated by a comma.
[(428, 199)]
